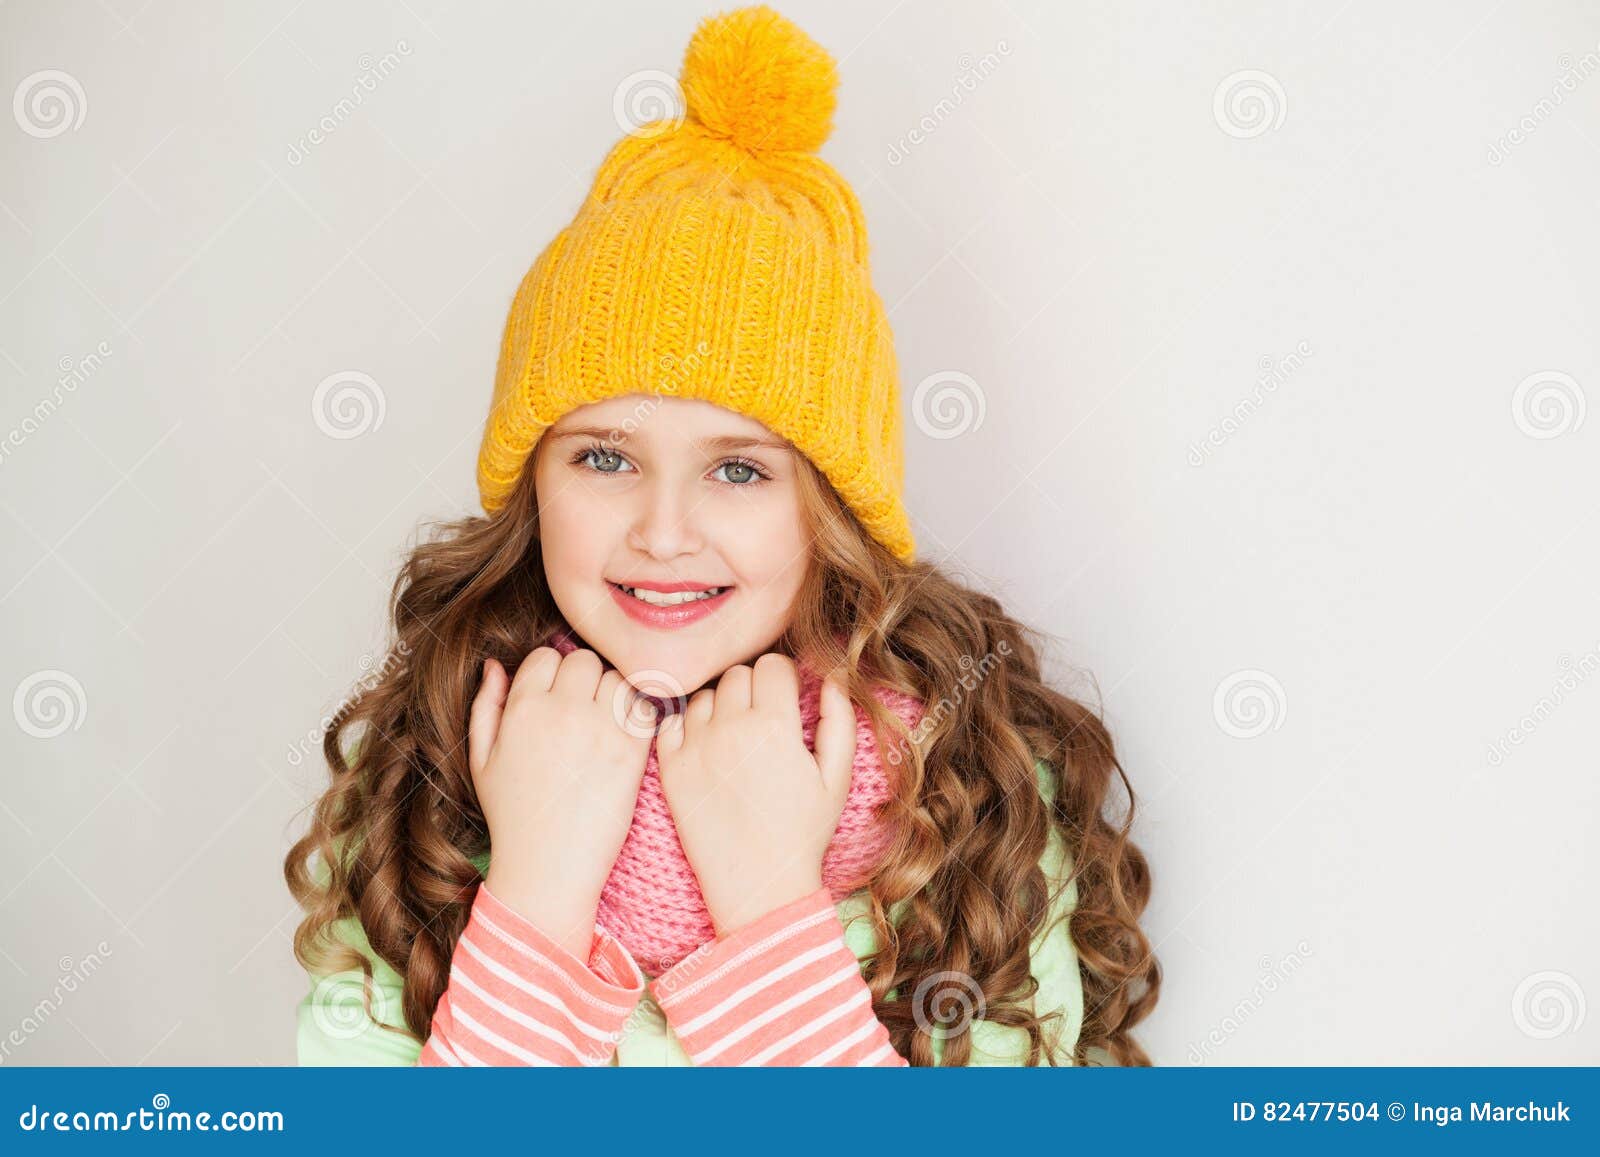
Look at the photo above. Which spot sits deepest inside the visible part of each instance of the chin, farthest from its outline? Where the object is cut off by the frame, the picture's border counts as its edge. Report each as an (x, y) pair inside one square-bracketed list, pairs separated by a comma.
[(656, 669)]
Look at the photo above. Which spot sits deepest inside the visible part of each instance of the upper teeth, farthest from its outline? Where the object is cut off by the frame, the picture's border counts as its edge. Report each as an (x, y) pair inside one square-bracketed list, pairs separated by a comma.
[(663, 599)]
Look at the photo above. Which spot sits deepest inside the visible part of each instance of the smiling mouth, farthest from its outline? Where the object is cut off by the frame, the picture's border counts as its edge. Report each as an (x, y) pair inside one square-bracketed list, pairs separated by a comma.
[(670, 598)]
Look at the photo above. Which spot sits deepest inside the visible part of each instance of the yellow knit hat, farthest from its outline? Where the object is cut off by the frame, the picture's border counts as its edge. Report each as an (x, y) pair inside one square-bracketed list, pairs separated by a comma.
[(718, 257)]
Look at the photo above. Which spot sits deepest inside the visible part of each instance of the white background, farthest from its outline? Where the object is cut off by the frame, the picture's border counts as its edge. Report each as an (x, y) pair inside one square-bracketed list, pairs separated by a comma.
[(1396, 546)]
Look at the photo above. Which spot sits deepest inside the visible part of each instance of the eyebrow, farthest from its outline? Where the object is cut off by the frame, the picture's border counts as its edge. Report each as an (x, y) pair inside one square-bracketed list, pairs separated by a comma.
[(720, 442)]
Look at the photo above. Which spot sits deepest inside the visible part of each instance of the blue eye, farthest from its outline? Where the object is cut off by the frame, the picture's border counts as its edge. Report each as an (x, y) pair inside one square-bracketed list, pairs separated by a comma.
[(611, 459), (752, 474), (743, 471)]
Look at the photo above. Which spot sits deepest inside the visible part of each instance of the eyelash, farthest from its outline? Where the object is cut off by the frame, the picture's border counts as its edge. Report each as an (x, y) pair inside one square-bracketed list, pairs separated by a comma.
[(601, 449)]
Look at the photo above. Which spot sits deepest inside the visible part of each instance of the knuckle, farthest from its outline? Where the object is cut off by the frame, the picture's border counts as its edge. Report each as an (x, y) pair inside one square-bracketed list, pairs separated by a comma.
[(581, 663), (585, 661)]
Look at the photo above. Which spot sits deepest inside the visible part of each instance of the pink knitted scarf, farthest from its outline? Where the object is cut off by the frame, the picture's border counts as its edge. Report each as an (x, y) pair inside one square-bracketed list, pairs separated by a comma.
[(652, 901)]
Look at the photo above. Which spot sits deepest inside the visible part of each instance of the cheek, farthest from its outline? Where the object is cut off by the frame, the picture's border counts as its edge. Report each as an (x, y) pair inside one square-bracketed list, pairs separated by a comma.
[(772, 552), (572, 533)]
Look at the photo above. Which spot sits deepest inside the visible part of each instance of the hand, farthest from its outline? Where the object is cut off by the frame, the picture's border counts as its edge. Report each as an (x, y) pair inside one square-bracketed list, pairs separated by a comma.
[(754, 809), (557, 776)]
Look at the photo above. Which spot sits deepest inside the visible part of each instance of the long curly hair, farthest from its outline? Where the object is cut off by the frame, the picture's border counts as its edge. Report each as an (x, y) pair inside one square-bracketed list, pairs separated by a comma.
[(397, 828)]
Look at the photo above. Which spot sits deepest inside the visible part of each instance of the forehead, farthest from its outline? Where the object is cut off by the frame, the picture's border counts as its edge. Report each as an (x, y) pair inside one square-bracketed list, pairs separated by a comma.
[(648, 417)]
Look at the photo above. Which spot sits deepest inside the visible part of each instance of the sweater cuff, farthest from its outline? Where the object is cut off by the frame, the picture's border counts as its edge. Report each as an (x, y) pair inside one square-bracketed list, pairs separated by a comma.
[(609, 977), (517, 996), (782, 990)]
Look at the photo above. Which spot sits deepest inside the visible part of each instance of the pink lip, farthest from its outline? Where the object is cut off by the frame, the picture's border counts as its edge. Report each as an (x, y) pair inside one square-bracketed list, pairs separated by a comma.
[(667, 618)]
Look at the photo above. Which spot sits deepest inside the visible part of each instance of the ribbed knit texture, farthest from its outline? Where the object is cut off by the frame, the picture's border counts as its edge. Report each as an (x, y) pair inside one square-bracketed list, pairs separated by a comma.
[(720, 259), (652, 902)]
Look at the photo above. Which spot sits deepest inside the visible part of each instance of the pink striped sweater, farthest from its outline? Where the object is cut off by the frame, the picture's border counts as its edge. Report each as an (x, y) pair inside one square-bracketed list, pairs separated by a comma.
[(782, 990)]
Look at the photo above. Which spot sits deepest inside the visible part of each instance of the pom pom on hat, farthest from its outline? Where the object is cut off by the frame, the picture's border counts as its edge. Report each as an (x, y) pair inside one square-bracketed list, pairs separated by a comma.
[(754, 77)]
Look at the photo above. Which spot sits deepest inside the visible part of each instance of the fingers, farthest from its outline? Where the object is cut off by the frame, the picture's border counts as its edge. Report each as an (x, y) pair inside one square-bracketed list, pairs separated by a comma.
[(536, 672), (836, 739), (699, 709), (607, 685), (775, 686), (674, 729), (733, 688), (578, 674), (608, 692), (483, 722), (669, 738)]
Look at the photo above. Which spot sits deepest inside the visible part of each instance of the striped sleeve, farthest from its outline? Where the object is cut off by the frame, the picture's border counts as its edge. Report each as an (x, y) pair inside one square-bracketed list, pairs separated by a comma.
[(517, 997), (784, 989)]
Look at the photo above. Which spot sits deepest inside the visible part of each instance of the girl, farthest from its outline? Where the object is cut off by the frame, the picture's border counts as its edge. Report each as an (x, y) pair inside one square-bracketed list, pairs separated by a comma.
[(680, 756)]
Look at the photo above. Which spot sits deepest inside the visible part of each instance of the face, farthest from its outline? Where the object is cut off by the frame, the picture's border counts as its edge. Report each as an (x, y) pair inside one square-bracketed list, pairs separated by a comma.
[(670, 497)]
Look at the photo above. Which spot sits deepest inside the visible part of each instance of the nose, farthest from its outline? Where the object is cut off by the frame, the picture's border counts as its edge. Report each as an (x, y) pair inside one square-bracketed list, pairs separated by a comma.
[(665, 525)]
